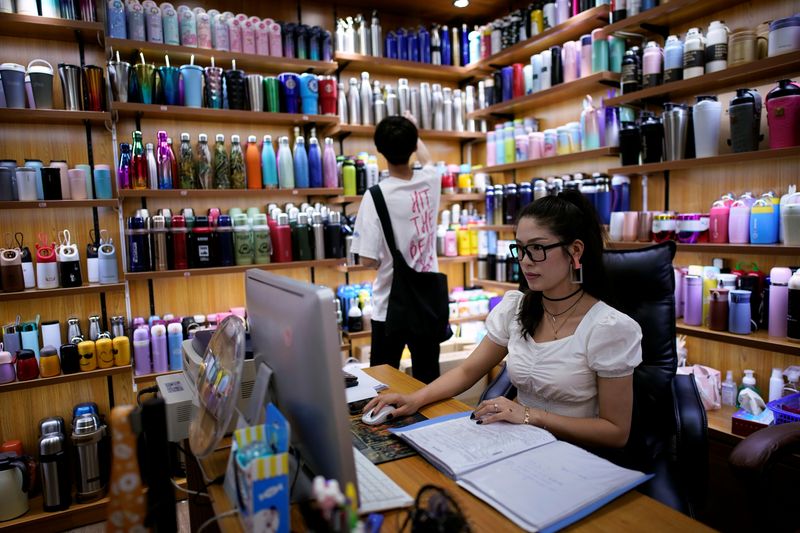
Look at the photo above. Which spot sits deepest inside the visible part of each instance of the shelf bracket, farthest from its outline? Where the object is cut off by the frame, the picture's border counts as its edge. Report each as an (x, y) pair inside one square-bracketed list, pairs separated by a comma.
[(663, 31), (341, 66), (151, 295), (138, 120), (666, 190), (313, 276)]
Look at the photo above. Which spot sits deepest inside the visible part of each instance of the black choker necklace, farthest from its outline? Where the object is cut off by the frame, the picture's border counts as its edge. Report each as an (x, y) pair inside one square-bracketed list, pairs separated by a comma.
[(567, 297)]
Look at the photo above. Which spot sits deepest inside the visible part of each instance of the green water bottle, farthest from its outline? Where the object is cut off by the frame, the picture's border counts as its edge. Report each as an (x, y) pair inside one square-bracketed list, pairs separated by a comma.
[(302, 234), (261, 239), (243, 240), (349, 177)]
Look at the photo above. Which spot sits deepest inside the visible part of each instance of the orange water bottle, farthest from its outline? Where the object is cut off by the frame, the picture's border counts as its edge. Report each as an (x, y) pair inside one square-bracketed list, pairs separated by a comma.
[(252, 161)]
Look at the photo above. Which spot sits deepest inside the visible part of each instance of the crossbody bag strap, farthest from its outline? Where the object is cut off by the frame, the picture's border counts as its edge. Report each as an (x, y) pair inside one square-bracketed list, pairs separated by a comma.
[(383, 215)]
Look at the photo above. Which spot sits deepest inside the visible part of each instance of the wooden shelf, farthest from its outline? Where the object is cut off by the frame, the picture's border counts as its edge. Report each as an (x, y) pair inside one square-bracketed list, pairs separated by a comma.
[(497, 285), (462, 319), (570, 30), (63, 378), (767, 69), (77, 515), (719, 421), (709, 248), (224, 193), (53, 116), (252, 63), (401, 68), (607, 151), (147, 378), (213, 271), (56, 204), (503, 227), (51, 29), (669, 14), (344, 130), (555, 95), (366, 334), (720, 160), (349, 269), (202, 114), (456, 197), (759, 340), (33, 294)]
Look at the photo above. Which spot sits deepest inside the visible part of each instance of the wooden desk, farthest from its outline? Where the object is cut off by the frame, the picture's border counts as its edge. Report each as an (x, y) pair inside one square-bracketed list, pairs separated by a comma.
[(630, 512)]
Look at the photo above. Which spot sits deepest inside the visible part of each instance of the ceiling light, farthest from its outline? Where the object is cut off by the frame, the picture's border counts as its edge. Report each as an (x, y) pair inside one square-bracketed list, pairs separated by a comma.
[(461, 3)]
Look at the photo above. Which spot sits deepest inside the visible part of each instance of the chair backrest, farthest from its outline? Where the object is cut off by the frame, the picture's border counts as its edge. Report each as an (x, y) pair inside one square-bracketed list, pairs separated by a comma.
[(642, 283)]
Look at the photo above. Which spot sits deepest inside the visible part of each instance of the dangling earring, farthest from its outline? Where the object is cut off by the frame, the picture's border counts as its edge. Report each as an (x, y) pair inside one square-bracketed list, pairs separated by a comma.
[(575, 274)]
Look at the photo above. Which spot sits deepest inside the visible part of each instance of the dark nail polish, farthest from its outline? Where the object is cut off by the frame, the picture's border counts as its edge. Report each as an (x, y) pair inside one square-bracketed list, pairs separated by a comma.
[(472, 416), (389, 417), (479, 422)]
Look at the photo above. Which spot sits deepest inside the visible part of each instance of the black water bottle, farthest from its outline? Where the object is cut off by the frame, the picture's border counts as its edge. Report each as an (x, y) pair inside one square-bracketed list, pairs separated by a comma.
[(631, 78), (556, 67), (630, 143), (224, 241), (334, 242), (652, 131)]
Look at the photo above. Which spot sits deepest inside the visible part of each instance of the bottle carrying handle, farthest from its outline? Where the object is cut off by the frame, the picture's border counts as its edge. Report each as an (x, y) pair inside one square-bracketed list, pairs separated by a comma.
[(20, 238), (40, 61)]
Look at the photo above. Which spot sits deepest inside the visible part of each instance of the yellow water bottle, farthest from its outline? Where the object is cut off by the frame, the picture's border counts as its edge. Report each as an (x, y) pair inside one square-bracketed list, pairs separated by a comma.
[(86, 350), (104, 353), (122, 351)]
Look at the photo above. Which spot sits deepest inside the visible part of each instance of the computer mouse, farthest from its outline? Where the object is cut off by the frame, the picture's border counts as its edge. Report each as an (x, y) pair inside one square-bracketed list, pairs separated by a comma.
[(371, 418)]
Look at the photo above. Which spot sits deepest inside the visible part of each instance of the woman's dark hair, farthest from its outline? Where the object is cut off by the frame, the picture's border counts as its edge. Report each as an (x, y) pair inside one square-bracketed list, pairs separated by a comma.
[(569, 216), (396, 139)]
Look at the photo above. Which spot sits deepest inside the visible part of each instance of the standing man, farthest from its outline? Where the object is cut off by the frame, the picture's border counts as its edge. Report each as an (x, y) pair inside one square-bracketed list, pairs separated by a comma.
[(412, 200)]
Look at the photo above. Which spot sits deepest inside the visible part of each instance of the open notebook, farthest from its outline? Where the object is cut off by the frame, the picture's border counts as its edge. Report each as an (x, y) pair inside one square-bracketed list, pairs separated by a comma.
[(538, 482)]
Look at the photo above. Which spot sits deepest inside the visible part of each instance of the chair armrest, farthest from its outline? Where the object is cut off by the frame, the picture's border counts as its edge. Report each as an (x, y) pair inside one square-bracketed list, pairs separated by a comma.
[(500, 386), (755, 453)]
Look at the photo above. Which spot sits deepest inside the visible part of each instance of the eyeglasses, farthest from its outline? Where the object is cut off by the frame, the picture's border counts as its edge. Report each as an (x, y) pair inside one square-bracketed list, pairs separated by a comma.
[(535, 252)]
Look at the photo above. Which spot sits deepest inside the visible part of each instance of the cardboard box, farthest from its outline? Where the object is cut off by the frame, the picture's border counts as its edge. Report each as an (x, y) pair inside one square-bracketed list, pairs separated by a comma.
[(744, 423)]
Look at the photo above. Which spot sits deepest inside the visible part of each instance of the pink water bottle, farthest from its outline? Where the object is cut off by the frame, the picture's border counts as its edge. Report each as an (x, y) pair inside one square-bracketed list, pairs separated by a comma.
[(262, 39), (570, 61), (783, 114), (203, 31), (739, 223), (491, 160), (235, 34), (275, 39), (158, 344), (248, 37), (718, 227), (693, 306), (779, 301)]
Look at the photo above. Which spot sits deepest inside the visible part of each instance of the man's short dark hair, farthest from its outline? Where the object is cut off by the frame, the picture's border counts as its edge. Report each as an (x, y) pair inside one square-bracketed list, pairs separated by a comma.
[(396, 139)]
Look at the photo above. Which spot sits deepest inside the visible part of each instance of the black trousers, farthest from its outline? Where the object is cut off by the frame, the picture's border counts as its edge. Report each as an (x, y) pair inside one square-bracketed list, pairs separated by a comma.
[(387, 350)]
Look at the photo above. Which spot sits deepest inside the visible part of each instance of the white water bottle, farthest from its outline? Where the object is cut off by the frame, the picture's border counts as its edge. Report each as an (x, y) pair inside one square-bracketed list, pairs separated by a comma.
[(717, 47), (776, 385), (694, 54), (707, 116)]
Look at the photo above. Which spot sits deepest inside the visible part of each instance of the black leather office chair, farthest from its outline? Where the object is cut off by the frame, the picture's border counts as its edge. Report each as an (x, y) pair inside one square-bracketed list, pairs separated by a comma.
[(669, 427)]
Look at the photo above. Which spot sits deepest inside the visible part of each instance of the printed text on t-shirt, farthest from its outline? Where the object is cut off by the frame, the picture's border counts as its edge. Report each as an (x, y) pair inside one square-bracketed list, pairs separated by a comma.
[(424, 224)]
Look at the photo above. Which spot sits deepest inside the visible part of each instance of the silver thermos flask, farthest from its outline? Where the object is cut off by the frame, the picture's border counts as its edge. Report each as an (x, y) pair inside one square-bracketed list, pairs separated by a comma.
[(354, 102), (402, 95), (437, 107), (378, 102), (74, 334), (366, 100), (363, 41), (376, 34), (425, 105), (469, 106), (414, 104), (318, 231), (54, 465), (117, 326), (391, 101), (342, 103), (88, 433), (94, 327), (447, 109), (458, 111), (159, 232)]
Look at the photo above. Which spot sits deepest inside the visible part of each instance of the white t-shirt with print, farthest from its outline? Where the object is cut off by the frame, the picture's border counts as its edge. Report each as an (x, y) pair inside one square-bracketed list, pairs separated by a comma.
[(413, 207)]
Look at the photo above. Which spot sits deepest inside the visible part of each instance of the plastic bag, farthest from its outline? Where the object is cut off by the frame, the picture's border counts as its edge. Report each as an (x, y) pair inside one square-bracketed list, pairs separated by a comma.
[(708, 382)]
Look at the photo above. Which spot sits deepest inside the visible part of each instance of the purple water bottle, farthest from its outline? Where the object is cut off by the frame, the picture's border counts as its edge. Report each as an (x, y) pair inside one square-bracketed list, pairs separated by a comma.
[(693, 303), (390, 45), (288, 32), (158, 343), (123, 174), (314, 164), (141, 351), (326, 46)]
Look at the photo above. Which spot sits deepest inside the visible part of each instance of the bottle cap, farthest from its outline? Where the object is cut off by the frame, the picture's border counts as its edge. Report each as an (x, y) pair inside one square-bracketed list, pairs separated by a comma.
[(777, 373), (220, 138), (335, 217), (267, 139), (283, 219), (203, 138), (302, 219), (328, 141), (234, 138), (185, 136), (252, 139)]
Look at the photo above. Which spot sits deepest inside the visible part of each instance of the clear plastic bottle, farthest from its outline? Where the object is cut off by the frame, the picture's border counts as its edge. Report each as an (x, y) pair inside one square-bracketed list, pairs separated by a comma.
[(202, 162), (729, 389), (776, 385), (222, 169)]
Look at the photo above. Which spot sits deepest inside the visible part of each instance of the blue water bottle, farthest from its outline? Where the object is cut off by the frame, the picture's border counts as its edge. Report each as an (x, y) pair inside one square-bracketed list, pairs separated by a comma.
[(174, 340), (309, 93), (464, 45), (424, 45), (602, 197), (314, 163), (390, 45), (413, 46), (226, 251), (489, 205), (525, 194), (300, 164), (447, 51), (269, 164), (402, 44)]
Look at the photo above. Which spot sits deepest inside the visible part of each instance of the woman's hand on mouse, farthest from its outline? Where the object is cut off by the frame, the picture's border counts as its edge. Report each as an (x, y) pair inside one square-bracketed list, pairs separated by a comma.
[(404, 404)]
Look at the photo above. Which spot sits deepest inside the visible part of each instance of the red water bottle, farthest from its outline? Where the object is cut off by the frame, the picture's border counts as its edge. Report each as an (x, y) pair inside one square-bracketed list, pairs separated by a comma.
[(213, 215), (327, 95), (518, 84), (27, 366), (282, 240), (180, 260)]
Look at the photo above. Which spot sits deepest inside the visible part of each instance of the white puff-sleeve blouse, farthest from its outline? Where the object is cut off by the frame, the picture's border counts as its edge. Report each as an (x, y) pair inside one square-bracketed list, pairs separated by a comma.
[(560, 376)]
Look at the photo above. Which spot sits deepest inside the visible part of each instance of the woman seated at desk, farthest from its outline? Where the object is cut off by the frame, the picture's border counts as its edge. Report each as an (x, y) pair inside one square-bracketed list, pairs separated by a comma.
[(571, 356)]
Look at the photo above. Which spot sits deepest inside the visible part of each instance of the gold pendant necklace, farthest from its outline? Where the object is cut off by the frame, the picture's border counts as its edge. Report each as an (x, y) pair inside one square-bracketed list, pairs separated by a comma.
[(568, 312)]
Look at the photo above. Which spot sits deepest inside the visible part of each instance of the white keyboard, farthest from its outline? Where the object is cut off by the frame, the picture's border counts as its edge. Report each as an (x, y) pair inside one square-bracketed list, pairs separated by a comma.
[(376, 490)]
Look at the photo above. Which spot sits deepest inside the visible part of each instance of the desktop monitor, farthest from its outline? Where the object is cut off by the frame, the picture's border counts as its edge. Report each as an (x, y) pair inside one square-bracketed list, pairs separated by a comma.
[(294, 332)]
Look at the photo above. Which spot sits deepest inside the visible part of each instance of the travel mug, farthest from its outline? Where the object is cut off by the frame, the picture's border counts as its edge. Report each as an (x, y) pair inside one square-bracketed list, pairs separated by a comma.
[(192, 76), (144, 82), (119, 75), (289, 92), (630, 226), (652, 140), (26, 184), (675, 119), (255, 92), (102, 182), (693, 305), (95, 88), (328, 95), (13, 76), (744, 111), (213, 76), (718, 310), (707, 115), (272, 94), (783, 114), (169, 78), (8, 185), (234, 84), (77, 183), (51, 183), (309, 93), (629, 144), (616, 225), (739, 312), (41, 76)]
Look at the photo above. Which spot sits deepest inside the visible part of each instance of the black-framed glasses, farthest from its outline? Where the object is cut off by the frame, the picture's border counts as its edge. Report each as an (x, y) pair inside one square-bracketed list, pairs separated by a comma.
[(535, 252)]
